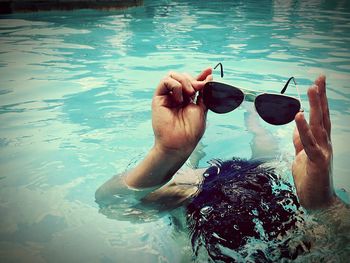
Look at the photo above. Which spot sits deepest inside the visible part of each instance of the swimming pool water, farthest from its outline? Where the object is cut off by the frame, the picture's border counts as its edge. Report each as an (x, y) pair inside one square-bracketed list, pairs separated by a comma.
[(75, 95)]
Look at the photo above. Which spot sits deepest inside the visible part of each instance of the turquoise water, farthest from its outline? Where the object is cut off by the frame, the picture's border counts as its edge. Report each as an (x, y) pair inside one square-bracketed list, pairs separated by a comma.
[(75, 95)]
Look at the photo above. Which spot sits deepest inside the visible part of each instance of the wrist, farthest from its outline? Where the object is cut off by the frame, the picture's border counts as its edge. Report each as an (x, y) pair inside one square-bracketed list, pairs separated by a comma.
[(171, 155), (322, 201)]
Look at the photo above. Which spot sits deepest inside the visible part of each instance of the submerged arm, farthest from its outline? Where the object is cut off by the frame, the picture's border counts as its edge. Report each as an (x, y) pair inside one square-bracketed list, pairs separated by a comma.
[(263, 144), (155, 170)]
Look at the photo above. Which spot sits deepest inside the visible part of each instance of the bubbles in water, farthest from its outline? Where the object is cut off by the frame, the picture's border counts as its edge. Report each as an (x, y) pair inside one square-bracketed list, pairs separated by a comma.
[(255, 212), (206, 210)]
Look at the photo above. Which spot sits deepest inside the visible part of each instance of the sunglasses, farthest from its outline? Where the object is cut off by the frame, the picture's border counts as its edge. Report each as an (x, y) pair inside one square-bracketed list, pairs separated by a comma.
[(276, 109)]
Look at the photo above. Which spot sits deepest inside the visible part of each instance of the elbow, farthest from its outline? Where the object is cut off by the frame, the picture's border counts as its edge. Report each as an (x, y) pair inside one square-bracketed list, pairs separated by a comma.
[(101, 196), (98, 195), (104, 196)]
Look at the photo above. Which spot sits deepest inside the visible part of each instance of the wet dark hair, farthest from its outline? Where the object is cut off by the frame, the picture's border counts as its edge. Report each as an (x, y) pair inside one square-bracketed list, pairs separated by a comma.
[(241, 200)]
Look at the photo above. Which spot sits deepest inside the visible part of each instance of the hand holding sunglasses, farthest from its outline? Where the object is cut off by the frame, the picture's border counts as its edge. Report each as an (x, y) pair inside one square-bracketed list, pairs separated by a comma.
[(276, 109)]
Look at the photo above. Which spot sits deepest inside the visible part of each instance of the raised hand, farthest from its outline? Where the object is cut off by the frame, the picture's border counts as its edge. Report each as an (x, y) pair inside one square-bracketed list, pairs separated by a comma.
[(179, 122), (312, 167)]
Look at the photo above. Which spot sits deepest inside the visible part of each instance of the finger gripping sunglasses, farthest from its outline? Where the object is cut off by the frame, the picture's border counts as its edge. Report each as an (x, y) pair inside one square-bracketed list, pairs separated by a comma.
[(276, 109)]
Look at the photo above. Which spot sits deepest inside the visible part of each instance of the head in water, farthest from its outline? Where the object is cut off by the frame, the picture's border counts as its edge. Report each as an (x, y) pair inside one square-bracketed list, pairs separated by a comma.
[(241, 201)]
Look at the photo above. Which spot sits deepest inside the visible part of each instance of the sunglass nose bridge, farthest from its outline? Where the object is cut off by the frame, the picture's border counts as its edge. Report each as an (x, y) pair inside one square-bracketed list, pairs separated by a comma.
[(221, 69)]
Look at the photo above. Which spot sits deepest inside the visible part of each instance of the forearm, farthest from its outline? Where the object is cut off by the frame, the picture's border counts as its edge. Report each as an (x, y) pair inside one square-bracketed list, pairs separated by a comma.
[(156, 169)]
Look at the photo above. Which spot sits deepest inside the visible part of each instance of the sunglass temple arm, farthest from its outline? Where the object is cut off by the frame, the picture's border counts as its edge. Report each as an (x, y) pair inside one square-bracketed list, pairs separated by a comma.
[(285, 88), (221, 69), (286, 85)]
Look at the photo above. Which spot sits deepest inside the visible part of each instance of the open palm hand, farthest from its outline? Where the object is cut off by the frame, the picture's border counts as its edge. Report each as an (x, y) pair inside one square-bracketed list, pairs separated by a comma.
[(312, 167)]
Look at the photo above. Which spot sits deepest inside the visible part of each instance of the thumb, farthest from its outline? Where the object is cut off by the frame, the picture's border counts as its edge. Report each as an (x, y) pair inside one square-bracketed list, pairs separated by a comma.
[(200, 102), (199, 85), (203, 75)]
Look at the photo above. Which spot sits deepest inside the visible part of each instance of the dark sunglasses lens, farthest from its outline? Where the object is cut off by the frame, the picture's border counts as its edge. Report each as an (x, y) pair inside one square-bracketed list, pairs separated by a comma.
[(277, 109), (221, 98)]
